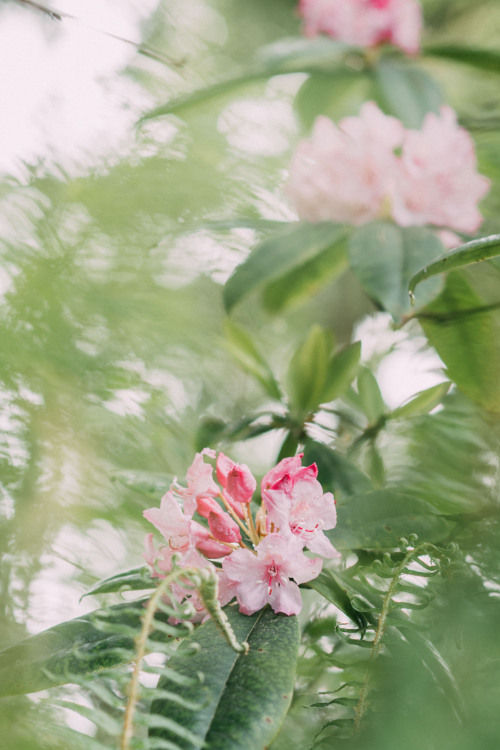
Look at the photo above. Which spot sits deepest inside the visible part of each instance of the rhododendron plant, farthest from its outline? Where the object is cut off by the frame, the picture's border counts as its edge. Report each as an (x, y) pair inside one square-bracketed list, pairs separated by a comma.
[(263, 558), (365, 23), (371, 167)]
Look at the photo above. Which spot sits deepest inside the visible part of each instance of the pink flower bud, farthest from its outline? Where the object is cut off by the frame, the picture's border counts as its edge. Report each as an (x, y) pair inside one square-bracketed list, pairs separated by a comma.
[(204, 505), (223, 527), (222, 468), (204, 542), (241, 483)]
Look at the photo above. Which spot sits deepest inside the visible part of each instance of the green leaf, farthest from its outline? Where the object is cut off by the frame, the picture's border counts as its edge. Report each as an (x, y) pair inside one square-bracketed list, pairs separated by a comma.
[(279, 255), (484, 59), (336, 472), (149, 483), (136, 579), (465, 255), (422, 403), (371, 400), (77, 647), (332, 94), (294, 55), (307, 371), (244, 696), (331, 589), (384, 258), (342, 369), (306, 280), (378, 520), (468, 344), (406, 92), (241, 345)]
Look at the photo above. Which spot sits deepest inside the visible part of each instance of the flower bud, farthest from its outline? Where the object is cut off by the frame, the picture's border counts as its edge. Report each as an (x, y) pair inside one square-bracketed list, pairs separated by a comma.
[(223, 527)]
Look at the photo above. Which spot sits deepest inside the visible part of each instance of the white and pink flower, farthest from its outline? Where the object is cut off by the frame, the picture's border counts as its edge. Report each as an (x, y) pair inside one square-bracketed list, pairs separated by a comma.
[(365, 23), (262, 559), (371, 167), (265, 576)]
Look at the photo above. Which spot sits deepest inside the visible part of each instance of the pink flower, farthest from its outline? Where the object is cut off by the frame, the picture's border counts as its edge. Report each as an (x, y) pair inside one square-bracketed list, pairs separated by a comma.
[(346, 174), (304, 511), (223, 527), (238, 482), (175, 528), (438, 182), (200, 482), (365, 23), (205, 543), (266, 576)]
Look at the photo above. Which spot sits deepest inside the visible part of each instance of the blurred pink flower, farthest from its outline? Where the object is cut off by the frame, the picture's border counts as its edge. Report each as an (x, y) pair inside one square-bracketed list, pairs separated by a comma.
[(266, 576), (346, 173), (438, 180), (365, 23)]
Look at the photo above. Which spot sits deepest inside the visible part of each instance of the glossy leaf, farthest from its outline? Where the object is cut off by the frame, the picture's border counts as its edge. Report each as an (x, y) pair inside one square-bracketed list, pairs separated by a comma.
[(306, 280), (241, 345), (331, 589), (244, 696), (307, 371), (467, 342), (465, 255), (342, 370), (379, 519), (384, 258), (136, 579), (422, 403), (406, 92), (74, 648), (279, 255)]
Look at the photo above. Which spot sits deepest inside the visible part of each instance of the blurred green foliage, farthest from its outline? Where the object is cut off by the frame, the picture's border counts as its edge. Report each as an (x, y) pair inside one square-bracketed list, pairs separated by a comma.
[(118, 361)]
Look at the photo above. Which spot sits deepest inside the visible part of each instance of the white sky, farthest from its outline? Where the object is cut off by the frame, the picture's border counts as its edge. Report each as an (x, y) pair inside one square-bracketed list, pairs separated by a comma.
[(58, 85)]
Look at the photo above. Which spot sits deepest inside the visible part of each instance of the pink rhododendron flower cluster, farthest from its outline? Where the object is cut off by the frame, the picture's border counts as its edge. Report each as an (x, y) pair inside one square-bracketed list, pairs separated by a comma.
[(365, 23), (371, 167), (257, 560)]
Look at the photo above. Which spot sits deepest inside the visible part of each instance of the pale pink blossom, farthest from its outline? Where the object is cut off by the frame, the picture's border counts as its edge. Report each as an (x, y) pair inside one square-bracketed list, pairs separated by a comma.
[(266, 576), (346, 173), (438, 182), (200, 482), (365, 23), (301, 509)]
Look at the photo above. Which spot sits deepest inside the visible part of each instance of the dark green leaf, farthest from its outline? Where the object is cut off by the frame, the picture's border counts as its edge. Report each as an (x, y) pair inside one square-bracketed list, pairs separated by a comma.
[(306, 280), (130, 580), (406, 92), (379, 519), (342, 369), (279, 255), (241, 345), (465, 255), (77, 647), (468, 344), (327, 585), (307, 371), (484, 59), (336, 472), (422, 403), (385, 257), (245, 696)]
